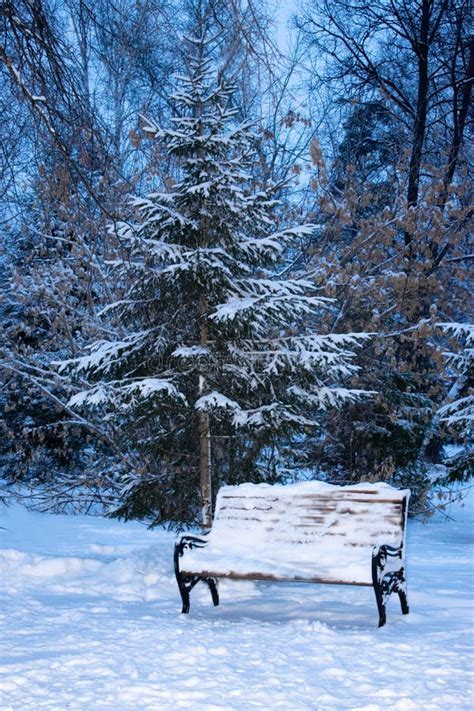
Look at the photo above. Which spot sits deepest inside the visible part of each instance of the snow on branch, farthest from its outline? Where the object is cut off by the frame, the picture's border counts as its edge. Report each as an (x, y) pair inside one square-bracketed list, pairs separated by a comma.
[(104, 356)]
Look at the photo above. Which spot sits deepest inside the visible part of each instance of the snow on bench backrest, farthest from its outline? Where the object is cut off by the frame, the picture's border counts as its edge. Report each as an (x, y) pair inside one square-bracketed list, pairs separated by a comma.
[(312, 528), (358, 515)]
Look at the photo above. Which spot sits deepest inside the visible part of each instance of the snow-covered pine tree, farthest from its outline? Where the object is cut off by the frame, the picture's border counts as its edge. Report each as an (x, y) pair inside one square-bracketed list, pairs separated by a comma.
[(220, 343)]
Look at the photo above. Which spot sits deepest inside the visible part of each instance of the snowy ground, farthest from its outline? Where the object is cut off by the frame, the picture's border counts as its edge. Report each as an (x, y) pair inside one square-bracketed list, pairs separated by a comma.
[(90, 617)]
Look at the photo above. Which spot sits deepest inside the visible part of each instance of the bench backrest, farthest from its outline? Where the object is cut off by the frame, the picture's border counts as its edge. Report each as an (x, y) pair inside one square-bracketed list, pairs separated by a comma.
[(301, 519)]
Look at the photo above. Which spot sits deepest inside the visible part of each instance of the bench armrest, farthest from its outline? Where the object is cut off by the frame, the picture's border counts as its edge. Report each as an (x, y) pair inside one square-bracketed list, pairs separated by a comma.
[(183, 543), (191, 542), (384, 560), (388, 551)]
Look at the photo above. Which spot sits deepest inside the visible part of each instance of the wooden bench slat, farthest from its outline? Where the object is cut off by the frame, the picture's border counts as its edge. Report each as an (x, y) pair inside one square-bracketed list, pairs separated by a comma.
[(273, 578), (355, 496)]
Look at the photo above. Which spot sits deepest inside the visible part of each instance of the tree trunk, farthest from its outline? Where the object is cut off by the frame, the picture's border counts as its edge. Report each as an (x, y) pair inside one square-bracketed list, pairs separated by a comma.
[(419, 128), (459, 120), (205, 464), (205, 472)]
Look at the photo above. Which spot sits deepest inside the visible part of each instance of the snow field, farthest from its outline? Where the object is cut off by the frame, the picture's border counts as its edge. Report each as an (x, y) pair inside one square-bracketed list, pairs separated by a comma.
[(90, 613)]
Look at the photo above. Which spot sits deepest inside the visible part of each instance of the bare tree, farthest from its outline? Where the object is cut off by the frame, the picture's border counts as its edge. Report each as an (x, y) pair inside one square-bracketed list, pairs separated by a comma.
[(414, 58)]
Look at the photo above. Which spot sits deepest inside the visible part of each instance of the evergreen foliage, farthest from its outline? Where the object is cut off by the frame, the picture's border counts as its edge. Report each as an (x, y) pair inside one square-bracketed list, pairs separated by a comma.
[(219, 349), (458, 412)]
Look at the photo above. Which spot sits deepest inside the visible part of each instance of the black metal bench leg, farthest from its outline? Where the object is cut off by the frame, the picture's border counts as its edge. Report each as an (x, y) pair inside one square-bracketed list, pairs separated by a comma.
[(380, 605), (186, 584), (403, 601), (184, 592), (214, 592)]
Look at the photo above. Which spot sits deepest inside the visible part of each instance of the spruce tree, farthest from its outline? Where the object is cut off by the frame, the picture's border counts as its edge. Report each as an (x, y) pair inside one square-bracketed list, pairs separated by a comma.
[(220, 344)]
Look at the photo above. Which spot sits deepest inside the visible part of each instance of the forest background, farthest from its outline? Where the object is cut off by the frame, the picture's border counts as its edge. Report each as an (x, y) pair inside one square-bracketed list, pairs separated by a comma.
[(362, 129)]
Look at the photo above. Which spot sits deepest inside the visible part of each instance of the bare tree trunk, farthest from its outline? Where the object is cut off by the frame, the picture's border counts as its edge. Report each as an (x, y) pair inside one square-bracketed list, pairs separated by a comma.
[(422, 49), (461, 107), (459, 120), (205, 471)]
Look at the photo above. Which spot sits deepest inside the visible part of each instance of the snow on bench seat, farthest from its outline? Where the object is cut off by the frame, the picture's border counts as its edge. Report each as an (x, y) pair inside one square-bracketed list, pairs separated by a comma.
[(310, 531)]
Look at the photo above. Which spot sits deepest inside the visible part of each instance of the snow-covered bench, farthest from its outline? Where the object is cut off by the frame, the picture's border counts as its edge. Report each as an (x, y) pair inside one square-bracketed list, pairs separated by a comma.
[(307, 532)]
